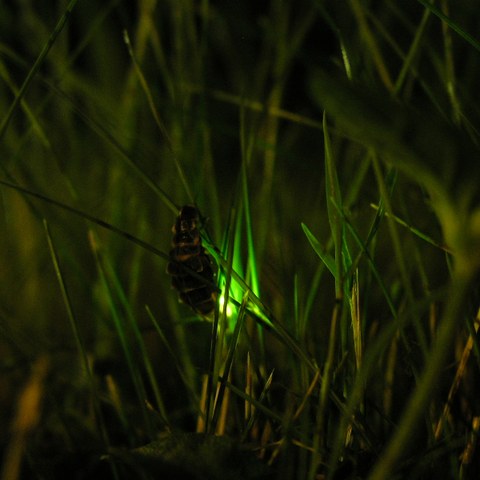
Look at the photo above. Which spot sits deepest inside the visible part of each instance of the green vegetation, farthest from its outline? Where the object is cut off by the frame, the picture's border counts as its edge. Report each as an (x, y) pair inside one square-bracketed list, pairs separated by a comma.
[(332, 150)]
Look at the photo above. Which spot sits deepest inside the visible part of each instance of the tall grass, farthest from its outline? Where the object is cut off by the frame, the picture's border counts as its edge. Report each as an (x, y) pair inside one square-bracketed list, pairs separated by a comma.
[(332, 150)]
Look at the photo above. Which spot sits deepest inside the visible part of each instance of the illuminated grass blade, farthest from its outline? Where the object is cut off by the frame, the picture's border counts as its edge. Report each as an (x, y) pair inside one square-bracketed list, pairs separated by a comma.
[(247, 148), (227, 368), (260, 313), (221, 322)]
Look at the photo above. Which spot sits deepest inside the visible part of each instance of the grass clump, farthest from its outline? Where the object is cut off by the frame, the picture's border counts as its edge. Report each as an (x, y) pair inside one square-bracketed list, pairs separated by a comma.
[(332, 151)]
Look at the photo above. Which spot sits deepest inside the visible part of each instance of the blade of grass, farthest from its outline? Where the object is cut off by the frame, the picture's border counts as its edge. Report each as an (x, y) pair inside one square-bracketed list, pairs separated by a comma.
[(158, 121), (32, 118), (66, 299), (113, 280), (325, 257), (334, 200), (356, 321), (88, 217), (253, 417), (314, 286), (414, 230), (420, 398), (181, 370), (252, 275), (260, 313), (334, 206), (456, 28), (459, 374), (80, 344), (373, 268), (356, 394), (218, 334), (256, 106), (372, 44), (233, 343), (412, 53), (127, 347), (450, 69), (256, 403), (102, 224), (36, 66), (148, 94), (398, 251), (102, 131)]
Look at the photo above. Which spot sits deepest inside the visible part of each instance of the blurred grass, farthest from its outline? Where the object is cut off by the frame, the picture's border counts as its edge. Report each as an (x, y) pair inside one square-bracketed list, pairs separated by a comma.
[(337, 361)]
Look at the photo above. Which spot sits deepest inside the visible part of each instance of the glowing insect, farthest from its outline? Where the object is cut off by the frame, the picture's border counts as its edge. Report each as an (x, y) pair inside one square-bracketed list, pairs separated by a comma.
[(190, 266)]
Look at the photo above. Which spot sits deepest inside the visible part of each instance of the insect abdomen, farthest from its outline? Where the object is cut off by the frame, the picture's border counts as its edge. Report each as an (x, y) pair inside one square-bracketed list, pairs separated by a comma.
[(190, 266)]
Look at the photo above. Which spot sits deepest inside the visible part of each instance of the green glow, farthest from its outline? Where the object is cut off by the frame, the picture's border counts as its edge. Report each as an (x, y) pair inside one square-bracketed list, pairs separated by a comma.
[(230, 311)]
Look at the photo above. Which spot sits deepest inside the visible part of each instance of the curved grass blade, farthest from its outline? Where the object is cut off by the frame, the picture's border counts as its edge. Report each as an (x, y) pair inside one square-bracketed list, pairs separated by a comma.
[(326, 258)]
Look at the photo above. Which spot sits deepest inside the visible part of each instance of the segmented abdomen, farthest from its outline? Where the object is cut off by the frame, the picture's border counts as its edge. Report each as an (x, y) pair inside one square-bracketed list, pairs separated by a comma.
[(190, 266)]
